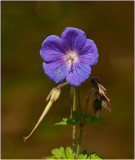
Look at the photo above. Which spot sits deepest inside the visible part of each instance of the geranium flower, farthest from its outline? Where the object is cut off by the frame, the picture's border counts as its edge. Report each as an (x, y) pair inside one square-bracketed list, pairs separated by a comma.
[(70, 56)]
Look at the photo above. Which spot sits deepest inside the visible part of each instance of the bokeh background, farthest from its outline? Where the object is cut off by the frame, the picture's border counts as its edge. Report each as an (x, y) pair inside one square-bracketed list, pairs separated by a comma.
[(25, 86)]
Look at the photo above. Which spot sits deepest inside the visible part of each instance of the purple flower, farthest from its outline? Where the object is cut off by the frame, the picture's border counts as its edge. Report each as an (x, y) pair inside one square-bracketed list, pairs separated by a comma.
[(70, 56)]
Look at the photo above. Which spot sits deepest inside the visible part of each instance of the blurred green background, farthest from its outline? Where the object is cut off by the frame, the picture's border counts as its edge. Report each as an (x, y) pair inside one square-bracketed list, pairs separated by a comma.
[(25, 87)]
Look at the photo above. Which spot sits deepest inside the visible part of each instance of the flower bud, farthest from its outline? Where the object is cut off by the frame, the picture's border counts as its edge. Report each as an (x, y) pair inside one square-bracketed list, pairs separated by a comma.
[(54, 94), (105, 103), (96, 84), (97, 107)]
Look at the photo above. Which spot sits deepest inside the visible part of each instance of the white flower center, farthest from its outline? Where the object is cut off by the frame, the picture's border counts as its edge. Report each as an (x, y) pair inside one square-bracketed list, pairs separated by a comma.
[(71, 58)]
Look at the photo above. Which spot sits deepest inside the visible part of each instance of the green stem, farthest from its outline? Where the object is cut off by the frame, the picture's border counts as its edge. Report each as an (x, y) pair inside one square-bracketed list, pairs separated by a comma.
[(74, 127), (87, 101), (62, 85), (79, 101), (81, 125), (80, 140)]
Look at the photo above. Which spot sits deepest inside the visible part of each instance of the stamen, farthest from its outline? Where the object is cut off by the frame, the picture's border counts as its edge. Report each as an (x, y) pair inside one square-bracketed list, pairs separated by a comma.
[(71, 58)]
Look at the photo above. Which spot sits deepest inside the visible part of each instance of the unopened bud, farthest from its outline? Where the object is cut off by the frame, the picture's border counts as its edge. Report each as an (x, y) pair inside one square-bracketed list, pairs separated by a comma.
[(97, 107), (105, 103), (96, 84), (54, 94)]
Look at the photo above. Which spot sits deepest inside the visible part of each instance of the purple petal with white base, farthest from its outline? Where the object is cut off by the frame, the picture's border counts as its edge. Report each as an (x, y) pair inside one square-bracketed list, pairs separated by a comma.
[(70, 56), (80, 72), (73, 39), (89, 53)]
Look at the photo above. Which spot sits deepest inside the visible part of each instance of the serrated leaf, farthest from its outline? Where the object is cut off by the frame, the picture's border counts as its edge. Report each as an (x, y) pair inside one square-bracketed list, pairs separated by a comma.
[(82, 156), (63, 155), (69, 153), (56, 153), (94, 156)]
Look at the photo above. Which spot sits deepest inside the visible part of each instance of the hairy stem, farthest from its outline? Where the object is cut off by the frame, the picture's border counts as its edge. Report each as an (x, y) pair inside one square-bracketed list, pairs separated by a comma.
[(74, 127), (87, 100)]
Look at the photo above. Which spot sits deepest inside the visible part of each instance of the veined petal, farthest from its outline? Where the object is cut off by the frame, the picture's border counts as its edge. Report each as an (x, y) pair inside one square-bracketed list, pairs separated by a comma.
[(89, 53), (73, 39), (79, 73), (52, 49), (57, 71)]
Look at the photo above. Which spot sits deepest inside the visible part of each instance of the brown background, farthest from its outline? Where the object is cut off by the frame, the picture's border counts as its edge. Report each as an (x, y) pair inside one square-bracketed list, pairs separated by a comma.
[(25, 86)]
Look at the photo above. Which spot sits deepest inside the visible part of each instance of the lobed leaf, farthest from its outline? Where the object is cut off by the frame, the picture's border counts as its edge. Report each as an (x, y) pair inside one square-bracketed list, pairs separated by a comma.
[(63, 155), (56, 153), (82, 156), (69, 153), (94, 156)]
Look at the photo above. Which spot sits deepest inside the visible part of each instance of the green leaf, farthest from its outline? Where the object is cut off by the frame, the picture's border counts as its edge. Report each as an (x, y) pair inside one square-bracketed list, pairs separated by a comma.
[(50, 157), (86, 119), (85, 152), (94, 156), (93, 121), (66, 121), (72, 122), (82, 156), (63, 155), (56, 153), (69, 153)]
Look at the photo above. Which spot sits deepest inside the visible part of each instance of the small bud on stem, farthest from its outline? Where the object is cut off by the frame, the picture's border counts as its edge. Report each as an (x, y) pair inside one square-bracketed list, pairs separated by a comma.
[(54, 94), (97, 107)]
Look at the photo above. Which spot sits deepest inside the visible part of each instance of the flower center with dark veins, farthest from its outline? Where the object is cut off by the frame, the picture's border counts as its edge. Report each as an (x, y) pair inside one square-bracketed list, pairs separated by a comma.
[(71, 58)]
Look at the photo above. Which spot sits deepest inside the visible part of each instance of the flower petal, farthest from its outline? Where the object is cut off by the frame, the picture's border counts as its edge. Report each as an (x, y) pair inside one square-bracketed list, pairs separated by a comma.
[(73, 38), (57, 71), (52, 49), (89, 53), (79, 73)]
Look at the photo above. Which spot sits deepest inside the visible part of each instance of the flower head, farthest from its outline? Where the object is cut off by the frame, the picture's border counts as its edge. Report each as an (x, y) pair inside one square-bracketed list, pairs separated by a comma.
[(70, 56)]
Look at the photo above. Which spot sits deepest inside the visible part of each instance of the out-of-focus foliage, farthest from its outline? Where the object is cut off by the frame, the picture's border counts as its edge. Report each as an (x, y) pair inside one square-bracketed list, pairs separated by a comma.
[(83, 119), (68, 154), (24, 86)]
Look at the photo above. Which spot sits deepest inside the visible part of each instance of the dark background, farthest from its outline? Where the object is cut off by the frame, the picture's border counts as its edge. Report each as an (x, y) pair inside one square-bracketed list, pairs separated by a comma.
[(25, 86)]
